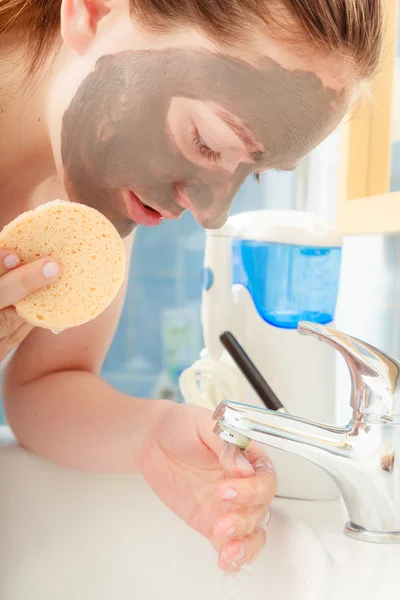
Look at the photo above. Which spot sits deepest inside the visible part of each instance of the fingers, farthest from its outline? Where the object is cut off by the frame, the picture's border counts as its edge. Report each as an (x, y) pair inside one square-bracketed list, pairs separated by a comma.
[(13, 339), (251, 491), (9, 321), (239, 535), (19, 283), (237, 553), (235, 462), (242, 523), (8, 261)]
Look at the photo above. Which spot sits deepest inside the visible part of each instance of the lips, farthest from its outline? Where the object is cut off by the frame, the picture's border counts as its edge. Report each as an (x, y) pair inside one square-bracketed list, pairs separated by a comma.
[(141, 213)]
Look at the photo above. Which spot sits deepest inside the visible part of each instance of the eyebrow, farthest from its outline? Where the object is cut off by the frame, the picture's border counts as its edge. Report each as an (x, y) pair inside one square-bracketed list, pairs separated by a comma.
[(248, 139), (244, 134)]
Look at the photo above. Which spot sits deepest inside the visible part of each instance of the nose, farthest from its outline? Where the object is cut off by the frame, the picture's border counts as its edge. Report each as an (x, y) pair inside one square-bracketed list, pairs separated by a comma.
[(210, 215), (214, 223)]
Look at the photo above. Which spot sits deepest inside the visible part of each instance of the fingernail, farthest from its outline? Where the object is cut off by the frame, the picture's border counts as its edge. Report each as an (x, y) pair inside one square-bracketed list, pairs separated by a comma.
[(229, 494), (239, 555), (243, 463), (229, 533), (11, 261), (51, 270), (220, 530)]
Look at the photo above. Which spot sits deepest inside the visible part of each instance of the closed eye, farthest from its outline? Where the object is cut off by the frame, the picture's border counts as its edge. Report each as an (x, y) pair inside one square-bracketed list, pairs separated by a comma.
[(203, 149)]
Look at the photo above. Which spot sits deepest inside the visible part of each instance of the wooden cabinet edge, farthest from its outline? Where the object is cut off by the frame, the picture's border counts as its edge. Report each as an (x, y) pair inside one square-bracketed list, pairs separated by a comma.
[(354, 150), (364, 204)]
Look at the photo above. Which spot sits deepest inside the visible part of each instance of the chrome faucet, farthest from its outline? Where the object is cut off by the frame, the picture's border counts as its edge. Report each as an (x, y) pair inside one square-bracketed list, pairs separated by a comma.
[(363, 457)]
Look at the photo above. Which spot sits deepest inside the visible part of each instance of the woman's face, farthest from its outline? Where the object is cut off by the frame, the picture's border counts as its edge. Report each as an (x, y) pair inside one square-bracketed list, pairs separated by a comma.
[(182, 127)]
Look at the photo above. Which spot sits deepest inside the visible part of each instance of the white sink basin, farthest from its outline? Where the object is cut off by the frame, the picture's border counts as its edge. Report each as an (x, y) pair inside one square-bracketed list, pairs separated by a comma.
[(76, 536)]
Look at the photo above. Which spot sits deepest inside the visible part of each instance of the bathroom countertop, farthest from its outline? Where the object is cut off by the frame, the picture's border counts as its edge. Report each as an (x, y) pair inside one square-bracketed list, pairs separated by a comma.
[(75, 536)]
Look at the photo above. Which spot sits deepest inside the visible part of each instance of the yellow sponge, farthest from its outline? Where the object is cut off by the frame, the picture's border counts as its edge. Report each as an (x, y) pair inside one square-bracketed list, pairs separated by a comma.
[(91, 255)]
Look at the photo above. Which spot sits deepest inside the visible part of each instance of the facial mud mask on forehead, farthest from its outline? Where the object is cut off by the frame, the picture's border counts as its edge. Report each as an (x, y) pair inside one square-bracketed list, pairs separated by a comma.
[(116, 132)]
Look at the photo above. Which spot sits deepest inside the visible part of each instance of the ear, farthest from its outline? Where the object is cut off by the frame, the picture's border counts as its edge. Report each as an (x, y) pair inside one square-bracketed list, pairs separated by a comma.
[(79, 21)]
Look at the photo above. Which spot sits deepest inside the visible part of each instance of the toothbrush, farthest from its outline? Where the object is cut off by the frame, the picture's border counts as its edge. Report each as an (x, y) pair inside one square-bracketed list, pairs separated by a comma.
[(250, 372)]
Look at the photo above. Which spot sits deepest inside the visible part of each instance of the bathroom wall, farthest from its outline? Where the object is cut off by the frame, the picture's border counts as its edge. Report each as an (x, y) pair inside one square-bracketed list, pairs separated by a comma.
[(369, 301)]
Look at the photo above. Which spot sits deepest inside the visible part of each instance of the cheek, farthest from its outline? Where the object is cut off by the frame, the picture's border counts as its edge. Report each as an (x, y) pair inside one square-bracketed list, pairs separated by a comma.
[(224, 189)]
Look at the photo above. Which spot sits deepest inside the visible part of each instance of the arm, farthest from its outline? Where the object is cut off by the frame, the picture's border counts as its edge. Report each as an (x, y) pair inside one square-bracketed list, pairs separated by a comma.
[(59, 407)]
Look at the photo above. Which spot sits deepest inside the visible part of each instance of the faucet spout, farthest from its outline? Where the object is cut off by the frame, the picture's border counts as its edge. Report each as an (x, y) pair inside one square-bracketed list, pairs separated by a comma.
[(362, 457), (308, 439)]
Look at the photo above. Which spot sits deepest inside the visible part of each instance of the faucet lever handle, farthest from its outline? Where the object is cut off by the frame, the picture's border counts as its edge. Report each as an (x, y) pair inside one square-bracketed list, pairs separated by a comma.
[(373, 374)]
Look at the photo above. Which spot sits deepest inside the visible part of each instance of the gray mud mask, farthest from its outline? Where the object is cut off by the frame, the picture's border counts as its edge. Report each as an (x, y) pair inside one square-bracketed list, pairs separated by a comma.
[(115, 133)]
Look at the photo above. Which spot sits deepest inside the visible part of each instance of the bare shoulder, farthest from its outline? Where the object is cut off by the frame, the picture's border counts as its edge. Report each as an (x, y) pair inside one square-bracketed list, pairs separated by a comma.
[(50, 189)]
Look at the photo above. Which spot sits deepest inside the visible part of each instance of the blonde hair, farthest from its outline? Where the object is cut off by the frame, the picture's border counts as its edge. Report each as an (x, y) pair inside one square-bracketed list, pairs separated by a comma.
[(352, 28)]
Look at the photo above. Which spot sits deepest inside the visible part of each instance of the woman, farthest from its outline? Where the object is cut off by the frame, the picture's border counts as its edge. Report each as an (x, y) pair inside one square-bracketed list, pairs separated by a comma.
[(143, 109)]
